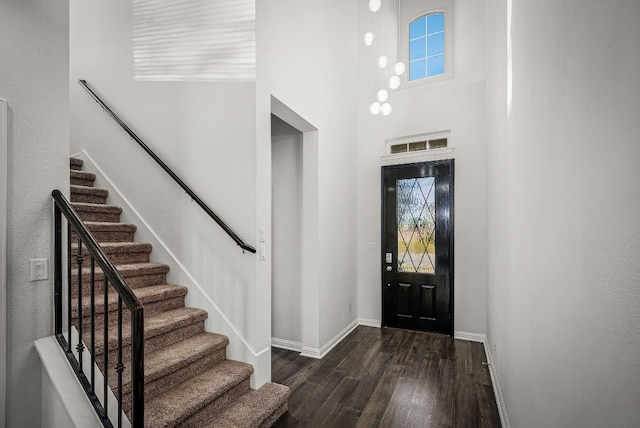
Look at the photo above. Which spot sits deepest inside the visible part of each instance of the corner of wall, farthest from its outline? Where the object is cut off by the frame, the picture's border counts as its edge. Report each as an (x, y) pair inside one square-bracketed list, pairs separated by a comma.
[(497, 390)]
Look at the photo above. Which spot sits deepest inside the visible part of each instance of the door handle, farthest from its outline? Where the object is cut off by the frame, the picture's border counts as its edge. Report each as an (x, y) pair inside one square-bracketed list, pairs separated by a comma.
[(389, 268)]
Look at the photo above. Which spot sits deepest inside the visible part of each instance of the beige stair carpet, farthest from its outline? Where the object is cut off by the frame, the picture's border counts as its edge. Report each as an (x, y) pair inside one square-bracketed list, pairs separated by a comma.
[(189, 382)]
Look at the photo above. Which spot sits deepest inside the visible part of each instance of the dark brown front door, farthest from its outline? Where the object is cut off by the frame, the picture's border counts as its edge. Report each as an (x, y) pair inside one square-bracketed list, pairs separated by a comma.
[(417, 246)]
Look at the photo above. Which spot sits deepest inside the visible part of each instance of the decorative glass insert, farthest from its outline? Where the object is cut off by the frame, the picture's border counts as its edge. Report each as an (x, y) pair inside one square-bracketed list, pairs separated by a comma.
[(416, 211), (426, 46)]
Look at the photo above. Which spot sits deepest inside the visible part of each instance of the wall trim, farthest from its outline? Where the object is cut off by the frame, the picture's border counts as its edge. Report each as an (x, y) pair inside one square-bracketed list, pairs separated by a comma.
[(4, 141), (176, 263), (319, 353), (369, 323), (286, 344), (471, 337), (497, 390)]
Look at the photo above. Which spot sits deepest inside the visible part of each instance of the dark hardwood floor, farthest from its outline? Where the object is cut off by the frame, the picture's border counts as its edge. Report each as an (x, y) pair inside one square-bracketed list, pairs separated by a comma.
[(389, 378)]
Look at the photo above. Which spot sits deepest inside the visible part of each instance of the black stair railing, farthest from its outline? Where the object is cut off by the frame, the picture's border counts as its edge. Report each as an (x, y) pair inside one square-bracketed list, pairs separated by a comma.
[(237, 239), (80, 244)]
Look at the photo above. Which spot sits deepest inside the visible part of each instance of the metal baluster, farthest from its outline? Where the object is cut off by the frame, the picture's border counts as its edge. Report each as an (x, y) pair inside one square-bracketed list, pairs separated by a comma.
[(79, 261), (106, 343), (93, 324), (58, 271), (120, 366), (137, 367), (70, 291)]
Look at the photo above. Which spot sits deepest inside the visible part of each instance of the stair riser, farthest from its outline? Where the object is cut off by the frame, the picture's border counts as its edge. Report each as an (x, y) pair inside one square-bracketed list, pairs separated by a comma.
[(88, 198), (149, 309), (209, 412), (139, 280), (99, 216), (75, 181), (158, 386), (277, 414), (151, 344), (120, 257), (107, 236)]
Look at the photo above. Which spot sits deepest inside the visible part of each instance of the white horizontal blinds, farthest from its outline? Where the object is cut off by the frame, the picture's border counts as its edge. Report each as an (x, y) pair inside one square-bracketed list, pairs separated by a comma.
[(204, 40)]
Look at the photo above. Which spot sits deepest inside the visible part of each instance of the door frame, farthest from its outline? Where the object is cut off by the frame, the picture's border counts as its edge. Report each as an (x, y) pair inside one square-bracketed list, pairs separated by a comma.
[(451, 163)]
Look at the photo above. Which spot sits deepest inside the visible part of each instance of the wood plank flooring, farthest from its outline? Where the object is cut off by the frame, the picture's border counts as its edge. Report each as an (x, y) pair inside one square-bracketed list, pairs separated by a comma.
[(389, 378)]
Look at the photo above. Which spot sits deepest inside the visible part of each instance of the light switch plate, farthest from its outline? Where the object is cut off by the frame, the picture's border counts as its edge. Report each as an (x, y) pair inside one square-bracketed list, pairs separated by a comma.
[(38, 269)]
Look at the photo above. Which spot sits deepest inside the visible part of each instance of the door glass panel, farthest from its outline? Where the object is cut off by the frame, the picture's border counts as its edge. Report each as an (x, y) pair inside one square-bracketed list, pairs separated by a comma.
[(416, 210)]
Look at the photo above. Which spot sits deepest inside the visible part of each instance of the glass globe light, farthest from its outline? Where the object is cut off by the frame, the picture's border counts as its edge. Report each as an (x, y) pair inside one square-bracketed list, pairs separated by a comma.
[(374, 108), (374, 5), (368, 38), (383, 95), (386, 109), (399, 68), (394, 82), (382, 61)]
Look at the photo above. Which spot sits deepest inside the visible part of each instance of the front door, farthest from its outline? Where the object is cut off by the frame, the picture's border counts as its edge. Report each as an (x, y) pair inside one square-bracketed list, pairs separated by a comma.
[(417, 246)]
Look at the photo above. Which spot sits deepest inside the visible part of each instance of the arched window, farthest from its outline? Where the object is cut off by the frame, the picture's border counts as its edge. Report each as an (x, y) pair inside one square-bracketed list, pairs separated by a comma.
[(427, 46)]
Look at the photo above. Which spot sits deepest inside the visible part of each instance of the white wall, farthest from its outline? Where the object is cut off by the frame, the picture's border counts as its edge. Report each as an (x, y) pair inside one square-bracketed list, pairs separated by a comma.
[(205, 131), (34, 81), (286, 231), (307, 60), (458, 105), (564, 211)]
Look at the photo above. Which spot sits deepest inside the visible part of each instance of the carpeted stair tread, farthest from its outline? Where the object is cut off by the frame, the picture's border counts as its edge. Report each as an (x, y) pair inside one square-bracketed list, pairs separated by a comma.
[(119, 247), (125, 270), (89, 190), (75, 163), (87, 206), (253, 408), (146, 295), (109, 226), (177, 404), (97, 212), (88, 194), (104, 231), (81, 178), (155, 325), (174, 357), (136, 275), (121, 252)]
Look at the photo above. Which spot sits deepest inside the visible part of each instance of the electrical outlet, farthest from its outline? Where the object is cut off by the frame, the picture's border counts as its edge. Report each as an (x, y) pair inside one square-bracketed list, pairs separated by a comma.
[(349, 306)]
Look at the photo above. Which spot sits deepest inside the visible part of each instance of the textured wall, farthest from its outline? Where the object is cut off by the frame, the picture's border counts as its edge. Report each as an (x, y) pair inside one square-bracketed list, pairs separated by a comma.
[(564, 211), (34, 80)]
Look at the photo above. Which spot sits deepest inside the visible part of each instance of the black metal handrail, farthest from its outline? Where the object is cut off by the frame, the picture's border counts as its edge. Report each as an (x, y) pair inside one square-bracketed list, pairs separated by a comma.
[(238, 240), (125, 294)]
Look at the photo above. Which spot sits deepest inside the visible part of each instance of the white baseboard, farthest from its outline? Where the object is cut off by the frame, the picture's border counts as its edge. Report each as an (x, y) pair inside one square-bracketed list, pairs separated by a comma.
[(471, 337), (286, 344), (497, 391), (369, 323), (321, 352)]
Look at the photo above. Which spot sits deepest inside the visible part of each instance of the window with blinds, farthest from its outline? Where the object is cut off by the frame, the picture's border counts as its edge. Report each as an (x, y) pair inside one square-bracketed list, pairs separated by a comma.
[(194, 40)]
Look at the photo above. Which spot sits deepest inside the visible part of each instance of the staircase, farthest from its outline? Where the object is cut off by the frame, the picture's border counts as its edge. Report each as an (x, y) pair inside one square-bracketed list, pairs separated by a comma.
[(188, 380)]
